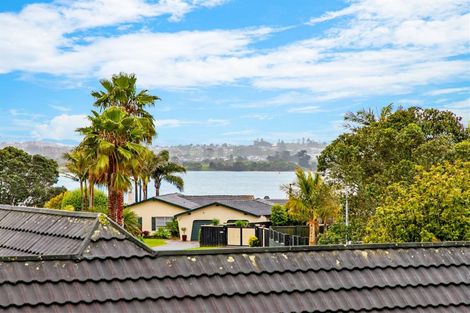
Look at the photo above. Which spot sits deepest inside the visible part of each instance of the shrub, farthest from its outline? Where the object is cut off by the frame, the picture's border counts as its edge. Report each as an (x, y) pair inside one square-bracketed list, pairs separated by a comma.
[(162, 233), (145, 233), (241, 223), (253, 241), (215, 221), (131, 222), (173, 228), (279, 216), (68, 208), (74, 199), (55, 202)]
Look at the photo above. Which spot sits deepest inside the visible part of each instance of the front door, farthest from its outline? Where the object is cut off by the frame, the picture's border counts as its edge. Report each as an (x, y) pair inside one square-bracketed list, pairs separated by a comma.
[(197, 227)]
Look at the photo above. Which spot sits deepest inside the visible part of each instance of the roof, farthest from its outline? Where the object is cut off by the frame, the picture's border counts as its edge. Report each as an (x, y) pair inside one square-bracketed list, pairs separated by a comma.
[(244, 203), (372, 278), (37, 233)]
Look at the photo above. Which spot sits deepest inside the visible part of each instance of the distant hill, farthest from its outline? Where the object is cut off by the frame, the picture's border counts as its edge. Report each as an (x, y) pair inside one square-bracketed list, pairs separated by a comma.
[(301, 152), (51, 150)]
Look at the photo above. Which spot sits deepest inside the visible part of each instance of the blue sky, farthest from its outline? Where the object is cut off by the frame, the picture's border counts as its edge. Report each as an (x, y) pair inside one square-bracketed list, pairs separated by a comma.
[(230, 71)]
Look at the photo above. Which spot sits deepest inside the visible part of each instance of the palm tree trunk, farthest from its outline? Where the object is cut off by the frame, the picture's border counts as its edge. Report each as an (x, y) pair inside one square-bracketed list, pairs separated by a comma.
[(313, 230), (145, 189), (119, 207), (157, 187), (85, 196), (136, 198), (140, 191), (91, 203), (81, 194)]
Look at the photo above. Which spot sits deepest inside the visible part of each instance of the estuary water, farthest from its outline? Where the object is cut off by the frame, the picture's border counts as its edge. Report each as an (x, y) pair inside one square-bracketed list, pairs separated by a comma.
[(259, 184)]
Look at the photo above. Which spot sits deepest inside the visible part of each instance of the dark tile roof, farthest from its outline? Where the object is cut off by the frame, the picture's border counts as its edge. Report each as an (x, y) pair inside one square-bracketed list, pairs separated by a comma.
[(372, 278), (41, 232), (244, 203)]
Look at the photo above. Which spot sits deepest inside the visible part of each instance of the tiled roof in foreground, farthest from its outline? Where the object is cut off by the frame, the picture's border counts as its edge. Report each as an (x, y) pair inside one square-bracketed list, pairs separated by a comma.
[(33, 232), (365, 278)]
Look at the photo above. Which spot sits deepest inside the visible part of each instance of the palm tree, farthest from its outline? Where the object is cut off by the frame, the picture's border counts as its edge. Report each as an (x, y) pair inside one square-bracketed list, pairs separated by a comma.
[(310, 199), (115, 137), (165, 170), (78, 165), (121, 91)]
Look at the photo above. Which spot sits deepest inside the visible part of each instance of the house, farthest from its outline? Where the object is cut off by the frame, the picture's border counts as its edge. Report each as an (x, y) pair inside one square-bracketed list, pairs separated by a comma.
[(57, 261), (192, 212)]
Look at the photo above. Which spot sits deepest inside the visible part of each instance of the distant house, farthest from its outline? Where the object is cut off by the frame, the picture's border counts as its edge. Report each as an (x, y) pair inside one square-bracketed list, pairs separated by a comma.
[(194, 211), (57, 261)]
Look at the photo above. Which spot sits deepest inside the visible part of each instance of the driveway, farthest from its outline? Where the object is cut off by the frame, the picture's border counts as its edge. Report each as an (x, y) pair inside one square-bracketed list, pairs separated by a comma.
[(177, 245)]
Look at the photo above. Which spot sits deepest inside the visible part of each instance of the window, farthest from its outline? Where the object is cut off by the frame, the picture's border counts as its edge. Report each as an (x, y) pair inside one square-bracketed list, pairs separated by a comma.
[(160, 221), (139, 220)]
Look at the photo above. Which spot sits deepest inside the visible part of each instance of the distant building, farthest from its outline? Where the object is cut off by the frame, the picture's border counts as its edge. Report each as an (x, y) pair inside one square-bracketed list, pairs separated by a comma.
[(192, 212)]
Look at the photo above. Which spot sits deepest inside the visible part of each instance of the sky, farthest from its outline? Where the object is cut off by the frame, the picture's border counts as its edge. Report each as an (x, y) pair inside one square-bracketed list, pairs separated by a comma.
[(230, 70)]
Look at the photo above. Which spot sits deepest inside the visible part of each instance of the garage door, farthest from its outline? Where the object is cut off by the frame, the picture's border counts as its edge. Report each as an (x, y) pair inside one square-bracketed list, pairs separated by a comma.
[(196, 227)]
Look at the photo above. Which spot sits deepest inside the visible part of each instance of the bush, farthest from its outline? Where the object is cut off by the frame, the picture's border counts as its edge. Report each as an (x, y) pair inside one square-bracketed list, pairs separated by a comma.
[(279, 216), (215, 221), (55, 202), (253, 241), (173, 228), (162, 233), (241, 223), (74, 199), (145, 234), (131, 222)]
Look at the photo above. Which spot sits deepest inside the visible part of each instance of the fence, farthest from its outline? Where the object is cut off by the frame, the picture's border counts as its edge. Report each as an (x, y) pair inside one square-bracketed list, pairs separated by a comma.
[(224, 235), (298, 230), (213, 235)]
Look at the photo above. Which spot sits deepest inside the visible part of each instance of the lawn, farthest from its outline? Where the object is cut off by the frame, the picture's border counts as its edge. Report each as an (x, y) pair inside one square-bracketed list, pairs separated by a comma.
[(203, 248), (152, 242)]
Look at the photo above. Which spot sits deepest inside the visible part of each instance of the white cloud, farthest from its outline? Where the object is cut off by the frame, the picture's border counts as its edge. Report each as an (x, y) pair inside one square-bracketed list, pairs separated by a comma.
[(169, 123), (60, 127), (460, 108), (382, 47), (306, 110), (445, 91)]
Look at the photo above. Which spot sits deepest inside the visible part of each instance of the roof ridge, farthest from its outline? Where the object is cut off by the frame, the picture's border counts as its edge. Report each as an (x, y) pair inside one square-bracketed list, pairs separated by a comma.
[(49, 211)]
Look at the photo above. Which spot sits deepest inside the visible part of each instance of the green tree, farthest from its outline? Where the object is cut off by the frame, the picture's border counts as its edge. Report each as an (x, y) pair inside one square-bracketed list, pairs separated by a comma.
[(310, 199), (27, 179), (55, 202), (78, 165), (279, 215), (115, 138), (74, 198), (381, 149), (165, 170), (435, 207), (121, 91)]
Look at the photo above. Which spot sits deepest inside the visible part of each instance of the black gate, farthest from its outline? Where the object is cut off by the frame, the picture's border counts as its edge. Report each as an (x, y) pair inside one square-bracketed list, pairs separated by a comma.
[(213, 236)]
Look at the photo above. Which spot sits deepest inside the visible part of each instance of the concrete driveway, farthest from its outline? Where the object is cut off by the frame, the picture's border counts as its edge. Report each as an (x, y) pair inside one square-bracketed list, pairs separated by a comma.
[(177, 245)]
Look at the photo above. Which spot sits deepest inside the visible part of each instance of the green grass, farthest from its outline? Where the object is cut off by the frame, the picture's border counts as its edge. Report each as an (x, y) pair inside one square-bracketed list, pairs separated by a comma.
[(202, 248), (152, 242)]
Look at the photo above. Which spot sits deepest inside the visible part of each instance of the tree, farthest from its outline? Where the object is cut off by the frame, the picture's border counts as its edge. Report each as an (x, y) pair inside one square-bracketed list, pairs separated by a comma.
[(279, 215), (310, 199), (382, 149), (78, 165), (121, 91), (27, 179), (165, 170), (116, 138), (74, 198), (435, 207)]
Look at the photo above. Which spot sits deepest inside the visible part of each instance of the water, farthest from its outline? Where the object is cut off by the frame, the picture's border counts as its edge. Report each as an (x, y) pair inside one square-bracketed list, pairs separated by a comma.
[(259, 184)]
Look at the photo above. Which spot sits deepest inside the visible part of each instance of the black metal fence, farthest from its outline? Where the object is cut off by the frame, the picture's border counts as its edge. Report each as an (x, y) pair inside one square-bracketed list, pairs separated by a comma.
[(268, 237), (297, 230)]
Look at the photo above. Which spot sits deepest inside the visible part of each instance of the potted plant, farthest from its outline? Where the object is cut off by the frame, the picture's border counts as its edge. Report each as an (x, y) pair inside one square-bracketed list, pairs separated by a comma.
[(184, 236)]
